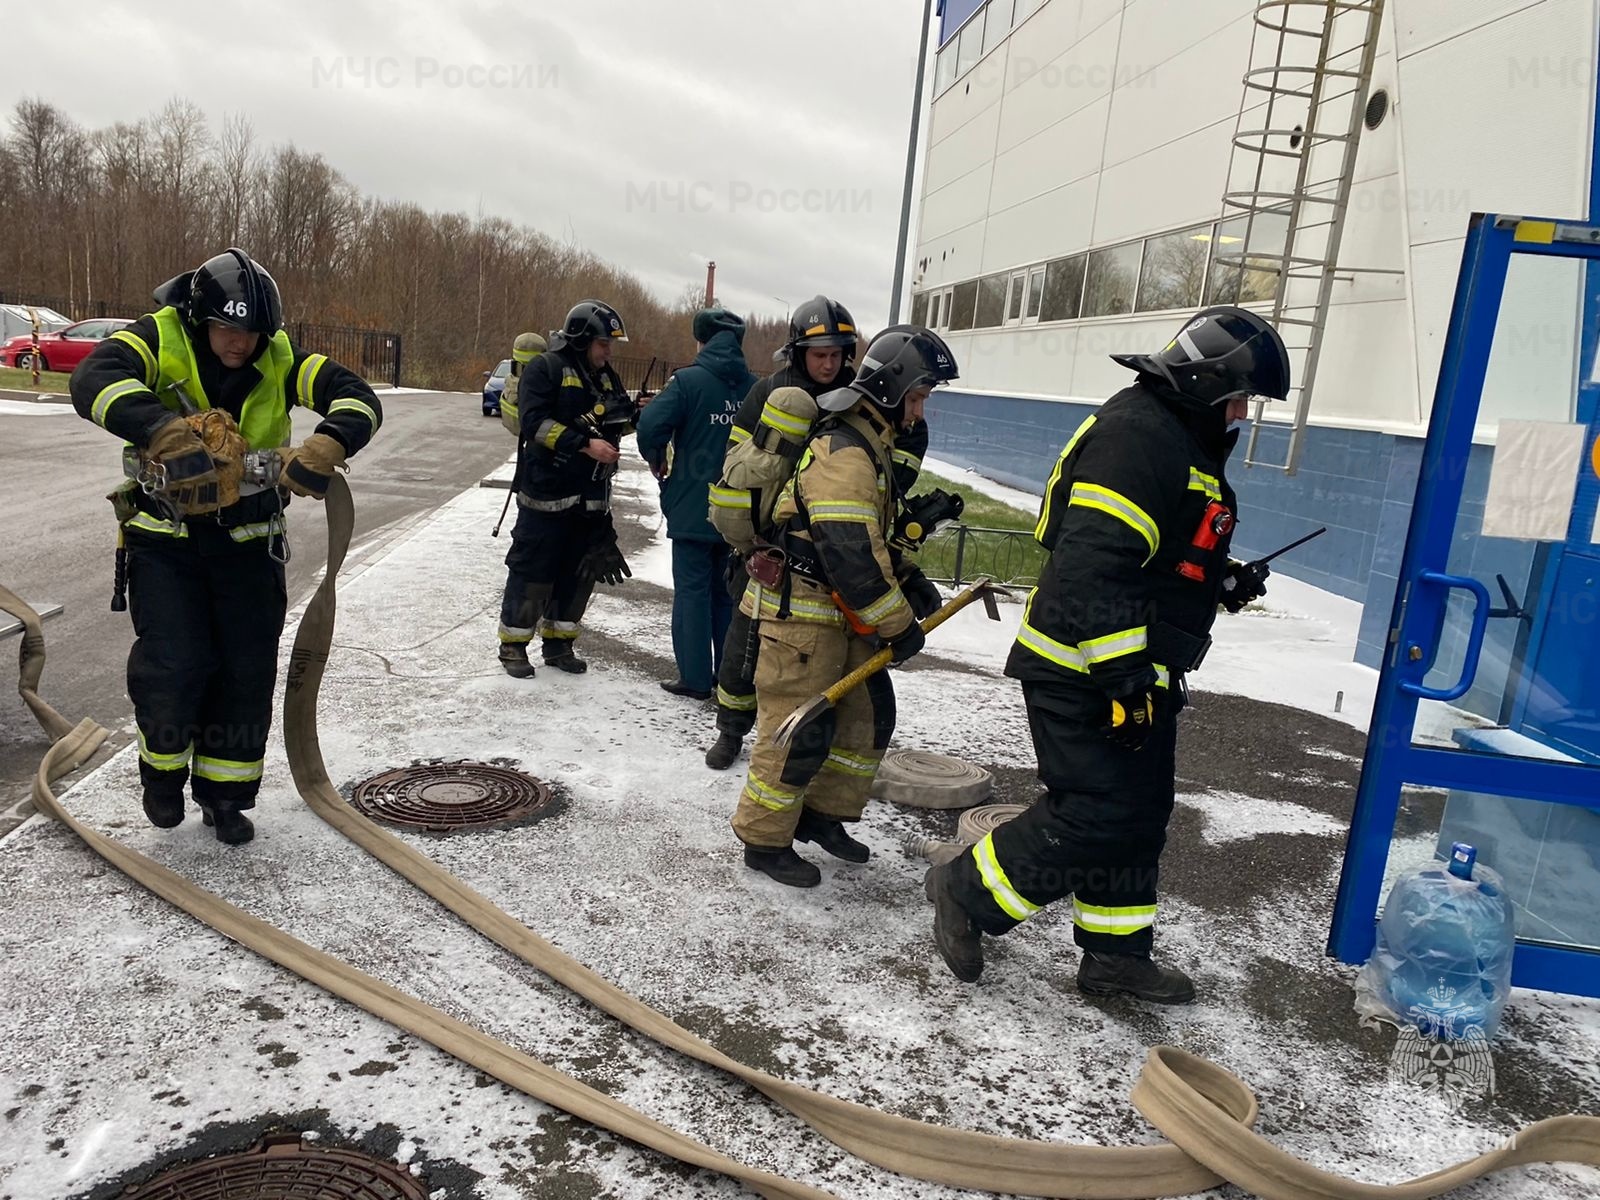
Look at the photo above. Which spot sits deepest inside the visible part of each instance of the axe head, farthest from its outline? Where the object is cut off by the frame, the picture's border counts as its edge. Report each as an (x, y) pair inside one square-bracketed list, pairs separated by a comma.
[(987, 591)]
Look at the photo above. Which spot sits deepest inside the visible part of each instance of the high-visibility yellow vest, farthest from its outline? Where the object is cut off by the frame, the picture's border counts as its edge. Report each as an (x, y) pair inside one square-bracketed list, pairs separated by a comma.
[(264, 420)]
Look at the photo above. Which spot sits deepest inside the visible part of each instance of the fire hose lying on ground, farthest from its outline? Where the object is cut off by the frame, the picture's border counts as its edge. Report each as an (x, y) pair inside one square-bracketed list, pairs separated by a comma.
[(1206, 1112)]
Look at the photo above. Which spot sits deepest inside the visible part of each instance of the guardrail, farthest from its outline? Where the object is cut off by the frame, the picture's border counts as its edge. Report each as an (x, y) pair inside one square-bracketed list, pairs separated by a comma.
[(958, 554)]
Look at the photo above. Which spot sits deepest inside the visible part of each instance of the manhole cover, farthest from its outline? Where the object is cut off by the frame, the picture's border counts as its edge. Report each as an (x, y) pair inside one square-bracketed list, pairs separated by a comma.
[(444, 796), (282, 1168)]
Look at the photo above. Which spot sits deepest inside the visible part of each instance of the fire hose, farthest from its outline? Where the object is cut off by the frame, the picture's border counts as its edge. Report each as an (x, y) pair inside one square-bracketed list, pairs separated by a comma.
[(1205, 1111)]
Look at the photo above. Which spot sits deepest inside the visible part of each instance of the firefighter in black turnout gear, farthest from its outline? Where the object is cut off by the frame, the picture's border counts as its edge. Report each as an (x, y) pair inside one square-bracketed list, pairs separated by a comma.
[(1137, 518), (202, 390), (819, 357), (573, 412)]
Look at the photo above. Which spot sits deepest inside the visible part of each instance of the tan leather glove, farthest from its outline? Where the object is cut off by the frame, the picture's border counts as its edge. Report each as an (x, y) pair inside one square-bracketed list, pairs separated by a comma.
[(189, 470), (309, 467)]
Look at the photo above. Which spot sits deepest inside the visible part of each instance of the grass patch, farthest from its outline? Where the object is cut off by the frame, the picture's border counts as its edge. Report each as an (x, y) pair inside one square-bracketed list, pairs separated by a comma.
[(22, 381), (1005, 557)]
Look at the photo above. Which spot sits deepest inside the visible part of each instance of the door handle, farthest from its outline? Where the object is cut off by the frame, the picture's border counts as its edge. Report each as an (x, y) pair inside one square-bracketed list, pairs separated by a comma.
[(1480, 622)]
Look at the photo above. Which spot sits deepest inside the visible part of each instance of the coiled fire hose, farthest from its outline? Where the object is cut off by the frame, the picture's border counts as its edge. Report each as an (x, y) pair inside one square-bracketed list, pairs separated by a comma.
[(1205, 1111)]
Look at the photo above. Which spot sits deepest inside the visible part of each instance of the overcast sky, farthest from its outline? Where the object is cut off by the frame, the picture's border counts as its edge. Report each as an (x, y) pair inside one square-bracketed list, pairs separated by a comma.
[(769, 137)]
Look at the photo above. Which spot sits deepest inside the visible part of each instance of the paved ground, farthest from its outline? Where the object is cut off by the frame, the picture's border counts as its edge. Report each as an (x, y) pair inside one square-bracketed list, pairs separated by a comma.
[(137, 1038), (59, 537)]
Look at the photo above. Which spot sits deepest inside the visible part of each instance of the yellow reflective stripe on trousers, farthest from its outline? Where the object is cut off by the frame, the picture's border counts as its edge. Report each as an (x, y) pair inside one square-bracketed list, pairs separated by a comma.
[(784, 422), (722, 497), (1095, 918), (558, 630), (164, 762), (994, 878), (843, 510), (249, 533), (847, 762), (306, 378), (1199, 481), (351, 404), (515, 636), (128, 338), (110, 394), (146, 523), (1103, 499), (734, 702), (811, 612), (225, 770), (1055, 478), (1115, 645), (775, 798)]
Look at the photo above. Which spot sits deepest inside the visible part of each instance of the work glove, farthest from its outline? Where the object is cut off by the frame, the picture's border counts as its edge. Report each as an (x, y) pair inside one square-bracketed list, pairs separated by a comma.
[(906, 644), (1133, 716), (603, 561), (1243, 583), (190, 471), (921, 594), (308, 468)]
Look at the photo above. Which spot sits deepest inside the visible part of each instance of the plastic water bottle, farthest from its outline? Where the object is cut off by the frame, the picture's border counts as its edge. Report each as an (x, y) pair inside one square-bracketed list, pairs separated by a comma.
[(1443, 959)]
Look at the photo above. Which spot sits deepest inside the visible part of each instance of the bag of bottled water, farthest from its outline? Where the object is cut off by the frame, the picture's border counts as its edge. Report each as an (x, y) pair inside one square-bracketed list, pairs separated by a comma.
[(1443, 959)]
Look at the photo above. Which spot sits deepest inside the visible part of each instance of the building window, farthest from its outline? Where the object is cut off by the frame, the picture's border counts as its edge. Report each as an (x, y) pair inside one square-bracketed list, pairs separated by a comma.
[(1024, 10), (971, 44), (944, 72), (998, 23), (1246, 258), (1035, 294), (1112, 280), (1174, 274), (1063, 289), (991, 302), (959, 305), (919, 308)]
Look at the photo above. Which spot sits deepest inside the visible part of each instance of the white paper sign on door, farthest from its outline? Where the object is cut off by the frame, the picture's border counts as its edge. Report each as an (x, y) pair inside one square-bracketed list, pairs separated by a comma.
[(1534, 480)]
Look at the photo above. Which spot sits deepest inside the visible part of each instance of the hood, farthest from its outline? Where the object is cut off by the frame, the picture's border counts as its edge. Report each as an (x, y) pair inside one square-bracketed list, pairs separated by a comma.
[(724, 358)]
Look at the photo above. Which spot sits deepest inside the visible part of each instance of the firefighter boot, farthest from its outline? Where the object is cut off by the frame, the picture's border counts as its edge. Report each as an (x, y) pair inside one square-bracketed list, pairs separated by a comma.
[(724, 751), (514, 658), (959, 941), (784, 865), (230, 825), (1135, 975), (163, 807), (829, 834), (558, 654)]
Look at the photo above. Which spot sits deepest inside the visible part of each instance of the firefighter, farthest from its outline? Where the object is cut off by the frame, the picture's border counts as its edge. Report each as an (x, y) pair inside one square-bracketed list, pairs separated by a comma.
[(526, 348), (573, 413), (818, 357), (1137, 518), (205, 543), (844, 595)]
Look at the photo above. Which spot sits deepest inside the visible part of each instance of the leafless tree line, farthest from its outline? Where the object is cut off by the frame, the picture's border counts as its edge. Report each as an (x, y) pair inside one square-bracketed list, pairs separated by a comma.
[(102, 216)]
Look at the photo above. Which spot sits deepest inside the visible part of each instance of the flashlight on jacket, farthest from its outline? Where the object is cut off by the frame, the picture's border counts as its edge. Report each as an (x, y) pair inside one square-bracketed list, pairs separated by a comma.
[(1215, 524)]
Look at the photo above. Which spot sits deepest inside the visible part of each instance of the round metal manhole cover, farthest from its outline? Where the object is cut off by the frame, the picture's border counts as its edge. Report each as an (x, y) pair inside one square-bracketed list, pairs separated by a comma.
[(440, 797), (283, 1168)]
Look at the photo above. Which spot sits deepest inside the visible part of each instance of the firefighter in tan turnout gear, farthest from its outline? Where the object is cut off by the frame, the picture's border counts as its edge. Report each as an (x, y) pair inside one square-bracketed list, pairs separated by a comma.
[(843, 594)]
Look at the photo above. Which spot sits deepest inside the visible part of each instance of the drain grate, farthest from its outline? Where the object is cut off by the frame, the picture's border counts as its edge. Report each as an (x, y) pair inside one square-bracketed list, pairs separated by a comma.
[(446, 796), (283, 1168)]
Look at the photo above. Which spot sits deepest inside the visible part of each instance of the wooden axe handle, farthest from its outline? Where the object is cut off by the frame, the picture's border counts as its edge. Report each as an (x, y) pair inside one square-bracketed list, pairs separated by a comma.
[(883, 658)]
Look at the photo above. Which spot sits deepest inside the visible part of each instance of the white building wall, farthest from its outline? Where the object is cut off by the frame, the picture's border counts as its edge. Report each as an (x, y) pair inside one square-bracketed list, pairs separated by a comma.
[(1101, 121)]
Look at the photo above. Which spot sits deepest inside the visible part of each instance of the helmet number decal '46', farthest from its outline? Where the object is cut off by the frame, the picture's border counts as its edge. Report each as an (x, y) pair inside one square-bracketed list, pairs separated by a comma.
[(235, 308)]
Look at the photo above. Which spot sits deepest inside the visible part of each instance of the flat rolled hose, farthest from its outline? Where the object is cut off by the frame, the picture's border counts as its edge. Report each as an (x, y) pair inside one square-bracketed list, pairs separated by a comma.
[(1205, 1110), (924, 780), (976, 822)]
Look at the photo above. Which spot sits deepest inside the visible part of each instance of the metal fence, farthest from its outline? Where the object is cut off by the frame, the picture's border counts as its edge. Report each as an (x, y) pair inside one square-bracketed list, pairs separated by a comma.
[(958, 554), (371, 353), (641, 373)]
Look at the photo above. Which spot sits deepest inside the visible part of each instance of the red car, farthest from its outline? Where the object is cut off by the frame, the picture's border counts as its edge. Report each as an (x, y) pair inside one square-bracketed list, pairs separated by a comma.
[(63, 349)]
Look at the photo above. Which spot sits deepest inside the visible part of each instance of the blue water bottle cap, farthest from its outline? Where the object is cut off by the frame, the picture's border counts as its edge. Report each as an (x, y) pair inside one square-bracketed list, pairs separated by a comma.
[(1462, 856)]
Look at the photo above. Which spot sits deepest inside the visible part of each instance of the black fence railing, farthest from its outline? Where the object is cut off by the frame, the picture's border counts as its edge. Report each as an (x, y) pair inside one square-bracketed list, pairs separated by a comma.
[(958, 554), (640, 373), (372, 353)]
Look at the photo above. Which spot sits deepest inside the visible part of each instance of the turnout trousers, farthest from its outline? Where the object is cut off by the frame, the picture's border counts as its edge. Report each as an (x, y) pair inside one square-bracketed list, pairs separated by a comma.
[(207, 615), (544, 594), (1097, 835), (830, 766), (736, 666)]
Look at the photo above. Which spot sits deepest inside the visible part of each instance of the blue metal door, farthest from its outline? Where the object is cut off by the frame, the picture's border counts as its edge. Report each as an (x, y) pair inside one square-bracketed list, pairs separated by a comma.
[(1485, 705)]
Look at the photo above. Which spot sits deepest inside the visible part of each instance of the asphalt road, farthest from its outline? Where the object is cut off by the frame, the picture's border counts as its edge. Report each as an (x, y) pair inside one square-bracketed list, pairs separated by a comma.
[(57, 538)]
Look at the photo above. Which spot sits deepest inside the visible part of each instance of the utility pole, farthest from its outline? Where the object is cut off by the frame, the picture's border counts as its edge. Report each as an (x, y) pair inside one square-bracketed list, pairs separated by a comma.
[(911, 165)]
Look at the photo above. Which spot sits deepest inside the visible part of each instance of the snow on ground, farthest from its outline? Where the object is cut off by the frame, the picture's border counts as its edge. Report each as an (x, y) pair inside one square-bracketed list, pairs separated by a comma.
[(134, 1035), (972, 481), (33, 408)]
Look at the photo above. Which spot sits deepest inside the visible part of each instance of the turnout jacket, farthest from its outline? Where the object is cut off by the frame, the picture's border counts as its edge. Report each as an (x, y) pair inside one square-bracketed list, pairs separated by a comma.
[(839, 510), (1126, 505), (788, 375), (562, 403), (125, 385)]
